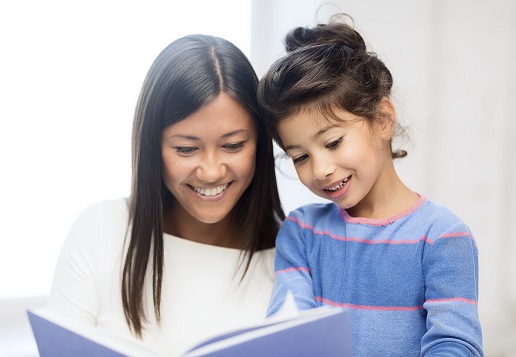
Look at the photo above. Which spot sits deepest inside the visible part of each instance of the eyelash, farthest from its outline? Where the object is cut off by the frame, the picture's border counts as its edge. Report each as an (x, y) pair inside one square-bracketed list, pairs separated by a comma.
[(234, 146), (187, 150), (331, 146), (334, 144), (299, 160)]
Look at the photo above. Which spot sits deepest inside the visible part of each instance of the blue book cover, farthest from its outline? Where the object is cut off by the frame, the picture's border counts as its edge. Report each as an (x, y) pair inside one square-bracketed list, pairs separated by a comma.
[(321, 331), (318, 332), (57, 337)]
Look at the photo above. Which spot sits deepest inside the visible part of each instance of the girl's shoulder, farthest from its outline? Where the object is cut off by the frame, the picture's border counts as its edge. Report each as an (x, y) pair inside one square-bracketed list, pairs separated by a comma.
[(437, 213), (437, 221)]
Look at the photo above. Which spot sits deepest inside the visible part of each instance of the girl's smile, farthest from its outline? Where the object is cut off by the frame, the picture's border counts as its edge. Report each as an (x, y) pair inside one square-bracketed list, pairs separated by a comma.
[(337, 191)]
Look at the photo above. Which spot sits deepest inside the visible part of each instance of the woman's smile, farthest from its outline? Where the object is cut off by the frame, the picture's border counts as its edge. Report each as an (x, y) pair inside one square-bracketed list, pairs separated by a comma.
[(212, 192)]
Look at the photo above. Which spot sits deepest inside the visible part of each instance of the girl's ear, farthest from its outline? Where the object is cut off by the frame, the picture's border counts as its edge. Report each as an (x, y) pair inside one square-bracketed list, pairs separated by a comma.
[(386, 119)]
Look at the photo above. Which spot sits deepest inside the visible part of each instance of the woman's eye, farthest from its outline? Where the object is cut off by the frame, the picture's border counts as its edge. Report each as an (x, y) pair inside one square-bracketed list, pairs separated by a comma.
[(300, 159), (333, 144), (234, 146), (185, 150)]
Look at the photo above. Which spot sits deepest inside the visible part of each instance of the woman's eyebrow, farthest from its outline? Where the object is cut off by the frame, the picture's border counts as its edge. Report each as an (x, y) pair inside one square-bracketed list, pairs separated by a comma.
[(195, 138), (184, 136), (234, 132)]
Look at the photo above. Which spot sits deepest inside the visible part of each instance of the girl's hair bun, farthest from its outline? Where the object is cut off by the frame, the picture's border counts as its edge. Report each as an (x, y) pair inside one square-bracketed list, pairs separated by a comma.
[(298, 37), (332, 34)]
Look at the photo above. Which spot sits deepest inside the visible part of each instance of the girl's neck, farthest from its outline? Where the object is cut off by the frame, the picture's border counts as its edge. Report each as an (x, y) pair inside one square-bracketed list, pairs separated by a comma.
[(387, 198), (178, 222)]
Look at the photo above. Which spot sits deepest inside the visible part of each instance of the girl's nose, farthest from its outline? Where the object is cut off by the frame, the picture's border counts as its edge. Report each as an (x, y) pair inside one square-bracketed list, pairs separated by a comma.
[(321, 168)]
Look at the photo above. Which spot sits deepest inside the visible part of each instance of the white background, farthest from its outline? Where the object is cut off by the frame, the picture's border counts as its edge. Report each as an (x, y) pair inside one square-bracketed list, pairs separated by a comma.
[(70, 75), (71, 71)]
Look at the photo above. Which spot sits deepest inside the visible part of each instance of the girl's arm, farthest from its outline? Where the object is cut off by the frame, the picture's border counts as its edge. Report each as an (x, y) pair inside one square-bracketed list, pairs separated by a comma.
[(450, 266), (292, 272)]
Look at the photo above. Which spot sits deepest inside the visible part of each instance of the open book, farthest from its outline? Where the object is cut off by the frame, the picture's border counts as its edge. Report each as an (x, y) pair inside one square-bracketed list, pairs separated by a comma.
[(321, 331), (57, 336)]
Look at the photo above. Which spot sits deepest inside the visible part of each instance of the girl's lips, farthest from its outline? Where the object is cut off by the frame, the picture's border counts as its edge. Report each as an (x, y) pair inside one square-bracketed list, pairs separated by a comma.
[(338, 190), (337, 186)]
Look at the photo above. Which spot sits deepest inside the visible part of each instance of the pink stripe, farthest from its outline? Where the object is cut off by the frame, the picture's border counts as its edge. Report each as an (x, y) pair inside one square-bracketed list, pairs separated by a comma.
[(426, 239), (468, 301), (457, 235), (359, 240), (382, 222), (293, 269), (369, 307), (392, 308)]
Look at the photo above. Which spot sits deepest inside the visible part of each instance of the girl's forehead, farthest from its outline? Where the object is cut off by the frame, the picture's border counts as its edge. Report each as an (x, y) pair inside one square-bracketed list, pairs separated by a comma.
[(305, 124), (311, 115)]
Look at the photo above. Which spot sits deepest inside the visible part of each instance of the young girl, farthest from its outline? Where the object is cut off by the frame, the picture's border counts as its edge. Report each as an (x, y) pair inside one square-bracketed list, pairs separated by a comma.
[(405, 267), (190, 252)]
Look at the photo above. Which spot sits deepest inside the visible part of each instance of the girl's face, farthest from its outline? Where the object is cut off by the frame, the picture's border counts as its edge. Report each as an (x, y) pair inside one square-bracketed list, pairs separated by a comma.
[(341, 161), (209, 159)]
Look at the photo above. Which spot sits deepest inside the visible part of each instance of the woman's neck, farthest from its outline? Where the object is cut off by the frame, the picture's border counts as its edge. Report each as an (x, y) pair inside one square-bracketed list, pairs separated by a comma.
[(178, 222)]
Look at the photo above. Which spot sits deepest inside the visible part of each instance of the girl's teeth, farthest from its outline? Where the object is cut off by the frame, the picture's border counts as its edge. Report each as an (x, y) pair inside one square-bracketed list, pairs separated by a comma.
[(339, 186), (210, 191)]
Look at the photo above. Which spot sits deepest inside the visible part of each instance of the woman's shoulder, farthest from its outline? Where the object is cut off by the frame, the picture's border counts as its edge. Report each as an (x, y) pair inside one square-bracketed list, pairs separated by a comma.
[(101, 219), (109, 206), (113, 209)]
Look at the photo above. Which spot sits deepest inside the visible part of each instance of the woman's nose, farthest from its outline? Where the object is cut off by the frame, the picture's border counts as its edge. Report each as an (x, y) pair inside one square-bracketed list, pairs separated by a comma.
[(211, 168)]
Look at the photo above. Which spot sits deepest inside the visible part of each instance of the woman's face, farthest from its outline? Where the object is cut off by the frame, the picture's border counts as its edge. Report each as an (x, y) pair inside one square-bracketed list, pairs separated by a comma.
[(209, 159)]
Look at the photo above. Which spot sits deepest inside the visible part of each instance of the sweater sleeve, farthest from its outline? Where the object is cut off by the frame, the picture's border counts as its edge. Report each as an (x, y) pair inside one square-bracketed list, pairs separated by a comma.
[(450, 264), (73, 291), (292, 272)]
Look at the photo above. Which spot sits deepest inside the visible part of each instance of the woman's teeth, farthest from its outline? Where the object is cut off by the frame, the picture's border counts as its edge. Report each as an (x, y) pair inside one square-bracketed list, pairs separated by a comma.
[(338, 187), (210, 191)]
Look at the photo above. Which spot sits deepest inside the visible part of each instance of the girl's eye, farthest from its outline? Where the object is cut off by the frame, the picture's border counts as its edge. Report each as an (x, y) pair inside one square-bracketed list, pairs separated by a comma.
[(300, 159), (234, 146), (185, 150), (333, 144)]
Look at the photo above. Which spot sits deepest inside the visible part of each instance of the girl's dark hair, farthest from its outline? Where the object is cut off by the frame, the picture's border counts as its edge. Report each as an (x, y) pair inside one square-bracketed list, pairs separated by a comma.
[(326, 67), (187, 75)]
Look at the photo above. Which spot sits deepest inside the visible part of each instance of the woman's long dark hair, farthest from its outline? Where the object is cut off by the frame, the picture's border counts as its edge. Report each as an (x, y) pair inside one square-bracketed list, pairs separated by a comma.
[(187, 75)]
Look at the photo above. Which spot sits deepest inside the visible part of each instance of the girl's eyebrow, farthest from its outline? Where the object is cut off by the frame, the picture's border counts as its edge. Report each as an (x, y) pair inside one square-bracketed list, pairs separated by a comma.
[(316, 135), (195, 138), (323, 130)]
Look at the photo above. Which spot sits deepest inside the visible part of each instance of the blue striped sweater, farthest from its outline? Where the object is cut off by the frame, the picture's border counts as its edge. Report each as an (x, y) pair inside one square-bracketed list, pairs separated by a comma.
[(410, 282)]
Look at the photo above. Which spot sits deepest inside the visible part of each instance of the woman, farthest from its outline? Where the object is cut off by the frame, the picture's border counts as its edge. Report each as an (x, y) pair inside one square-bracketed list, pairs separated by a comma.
[(189, 254)]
